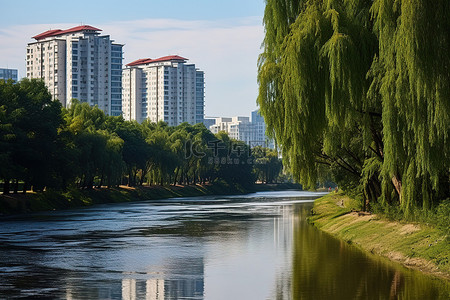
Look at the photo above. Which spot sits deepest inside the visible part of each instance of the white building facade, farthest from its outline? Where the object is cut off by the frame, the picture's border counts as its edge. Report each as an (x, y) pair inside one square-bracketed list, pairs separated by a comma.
[(79, 63), (164, 89), (252, 132)]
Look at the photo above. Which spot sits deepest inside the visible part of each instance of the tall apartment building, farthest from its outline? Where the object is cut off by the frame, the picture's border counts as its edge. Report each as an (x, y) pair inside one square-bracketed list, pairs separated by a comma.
[(258, 132), (79, 63), (8, 74), (164, 89)]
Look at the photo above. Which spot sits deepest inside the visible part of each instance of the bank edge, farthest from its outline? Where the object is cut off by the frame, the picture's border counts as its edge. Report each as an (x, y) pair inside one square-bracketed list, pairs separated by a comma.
[(414, 245)]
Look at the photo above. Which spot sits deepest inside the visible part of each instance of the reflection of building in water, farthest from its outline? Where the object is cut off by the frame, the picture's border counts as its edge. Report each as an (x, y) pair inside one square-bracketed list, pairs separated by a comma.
[(283, 227), (128, 289), (283, 238), (183, 279), (189, 289), (160, 289), (154, 289)]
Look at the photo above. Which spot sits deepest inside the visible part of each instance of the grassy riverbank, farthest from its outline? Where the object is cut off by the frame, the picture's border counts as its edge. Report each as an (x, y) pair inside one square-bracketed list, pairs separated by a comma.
[(56, 200), (417, 246)]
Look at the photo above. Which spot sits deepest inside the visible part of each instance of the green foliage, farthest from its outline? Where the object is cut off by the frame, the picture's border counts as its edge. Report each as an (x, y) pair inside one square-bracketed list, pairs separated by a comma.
[(80, 147), (361, 88), (28, 132), (442, 217), (267, 165)]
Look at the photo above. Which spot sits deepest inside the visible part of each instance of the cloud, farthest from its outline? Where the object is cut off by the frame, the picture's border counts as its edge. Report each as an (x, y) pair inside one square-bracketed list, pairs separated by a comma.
[(227, 50)]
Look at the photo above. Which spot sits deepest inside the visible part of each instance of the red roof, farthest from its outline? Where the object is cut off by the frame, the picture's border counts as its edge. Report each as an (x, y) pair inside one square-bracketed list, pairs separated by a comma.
[(57, 32), (144, 61), (141, 61), (46, 34)]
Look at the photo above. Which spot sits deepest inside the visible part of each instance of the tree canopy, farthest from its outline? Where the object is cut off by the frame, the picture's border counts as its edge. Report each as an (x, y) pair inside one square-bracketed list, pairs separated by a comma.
[(363, 88), (45, 146)]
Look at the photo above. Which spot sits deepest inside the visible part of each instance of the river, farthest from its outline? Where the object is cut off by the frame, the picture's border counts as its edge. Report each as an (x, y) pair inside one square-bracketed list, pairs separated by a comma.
[(257, 246)]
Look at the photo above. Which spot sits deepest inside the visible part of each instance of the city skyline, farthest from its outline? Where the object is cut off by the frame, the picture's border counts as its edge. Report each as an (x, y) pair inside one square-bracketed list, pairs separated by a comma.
[(223, 40)]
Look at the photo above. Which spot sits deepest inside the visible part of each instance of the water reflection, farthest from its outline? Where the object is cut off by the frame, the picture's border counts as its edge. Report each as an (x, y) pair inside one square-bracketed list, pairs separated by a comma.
[(154, 289), (326, 268), (253, 247)]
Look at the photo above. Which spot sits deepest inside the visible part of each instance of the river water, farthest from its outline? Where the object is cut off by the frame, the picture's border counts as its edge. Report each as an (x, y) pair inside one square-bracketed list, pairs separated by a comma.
[(257, 246)]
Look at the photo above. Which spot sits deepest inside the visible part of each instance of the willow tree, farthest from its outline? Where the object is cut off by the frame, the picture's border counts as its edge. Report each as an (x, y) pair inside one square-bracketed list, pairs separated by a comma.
[(313, 84), (414, 44), (344, 83)]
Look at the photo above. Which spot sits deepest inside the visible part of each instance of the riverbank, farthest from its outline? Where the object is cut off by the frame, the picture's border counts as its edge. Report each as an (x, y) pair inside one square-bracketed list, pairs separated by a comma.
[(74, 198), (416, 246)]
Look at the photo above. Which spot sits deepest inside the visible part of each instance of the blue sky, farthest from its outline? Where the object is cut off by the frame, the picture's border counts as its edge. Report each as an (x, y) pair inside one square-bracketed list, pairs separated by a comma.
[(222, 38)]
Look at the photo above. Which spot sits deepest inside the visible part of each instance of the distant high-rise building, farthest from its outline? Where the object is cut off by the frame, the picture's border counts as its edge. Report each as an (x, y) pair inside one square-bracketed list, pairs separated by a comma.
[(258, 132), (164, 89), (238, 128), (209, 121), (8, 74), (252, 132), (220, 124), (79, 63)]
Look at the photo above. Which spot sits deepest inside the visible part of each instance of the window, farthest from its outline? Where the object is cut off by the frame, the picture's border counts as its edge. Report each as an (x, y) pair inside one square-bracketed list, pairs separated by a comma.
[(116, 48)]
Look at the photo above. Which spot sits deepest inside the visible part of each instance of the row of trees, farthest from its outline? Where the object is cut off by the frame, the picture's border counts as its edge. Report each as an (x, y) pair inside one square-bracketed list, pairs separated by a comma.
[(361, 89), (46, 146)]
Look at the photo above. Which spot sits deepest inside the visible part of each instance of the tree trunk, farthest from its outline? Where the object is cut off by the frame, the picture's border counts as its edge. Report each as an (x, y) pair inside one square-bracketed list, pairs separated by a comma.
[(130, 176), (16, 186), (6, 186), (90, 183), (25, 186), (175, 176), (141, 181), (398, 186), (101, 181), (83, 183), (180, 181)]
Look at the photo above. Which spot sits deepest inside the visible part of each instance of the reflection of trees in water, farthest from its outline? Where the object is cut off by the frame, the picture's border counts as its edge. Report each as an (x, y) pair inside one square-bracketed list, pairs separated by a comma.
[(326, 268), (395, 286)]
